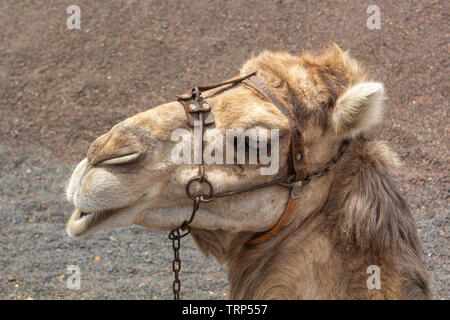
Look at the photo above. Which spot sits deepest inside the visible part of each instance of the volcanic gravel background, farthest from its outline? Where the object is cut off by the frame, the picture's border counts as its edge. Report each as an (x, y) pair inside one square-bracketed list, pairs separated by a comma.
[(60, 89)]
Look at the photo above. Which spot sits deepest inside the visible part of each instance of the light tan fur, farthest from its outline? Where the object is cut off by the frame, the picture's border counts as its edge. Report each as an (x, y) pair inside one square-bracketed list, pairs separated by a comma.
[(354, 112), (345, 221)]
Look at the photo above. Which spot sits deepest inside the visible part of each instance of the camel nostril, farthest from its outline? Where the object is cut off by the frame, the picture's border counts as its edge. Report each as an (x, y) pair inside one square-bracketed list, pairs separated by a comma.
[(126, 158), (118, 146)]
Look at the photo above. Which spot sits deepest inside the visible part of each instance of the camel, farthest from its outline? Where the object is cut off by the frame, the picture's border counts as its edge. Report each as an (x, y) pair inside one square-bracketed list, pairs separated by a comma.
[(346, 222)]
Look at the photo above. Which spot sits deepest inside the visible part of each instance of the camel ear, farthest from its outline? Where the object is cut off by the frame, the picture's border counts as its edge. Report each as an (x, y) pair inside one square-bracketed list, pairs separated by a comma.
[(358, 108)]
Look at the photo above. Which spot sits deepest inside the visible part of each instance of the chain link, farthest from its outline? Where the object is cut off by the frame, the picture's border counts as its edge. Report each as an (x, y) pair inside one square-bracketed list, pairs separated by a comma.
[(175, 235)]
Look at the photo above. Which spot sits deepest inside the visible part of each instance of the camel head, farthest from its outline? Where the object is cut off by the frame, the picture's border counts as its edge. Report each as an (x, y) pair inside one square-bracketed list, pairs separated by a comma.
[(134, 173)]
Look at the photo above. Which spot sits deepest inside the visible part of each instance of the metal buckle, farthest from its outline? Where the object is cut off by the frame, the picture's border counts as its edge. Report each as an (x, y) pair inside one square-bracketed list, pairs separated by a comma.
[(296, 188), (294, 185)]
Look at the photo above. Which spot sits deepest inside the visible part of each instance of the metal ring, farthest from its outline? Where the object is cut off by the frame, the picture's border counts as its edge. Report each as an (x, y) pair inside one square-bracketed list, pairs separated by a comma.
[(201, 180)]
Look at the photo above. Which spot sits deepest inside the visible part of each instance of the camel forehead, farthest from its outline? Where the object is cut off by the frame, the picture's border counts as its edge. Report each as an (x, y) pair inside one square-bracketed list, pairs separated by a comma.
[(159, 121), (233, 108), (241, 107)]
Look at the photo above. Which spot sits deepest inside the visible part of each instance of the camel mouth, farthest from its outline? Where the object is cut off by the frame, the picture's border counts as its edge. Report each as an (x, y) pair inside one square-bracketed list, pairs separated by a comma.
[(97, 213), (83, 214), (81, 222)]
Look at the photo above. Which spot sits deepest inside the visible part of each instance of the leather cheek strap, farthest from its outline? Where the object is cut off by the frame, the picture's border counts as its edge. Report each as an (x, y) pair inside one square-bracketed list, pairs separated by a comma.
[(274, 230), (297, 154)]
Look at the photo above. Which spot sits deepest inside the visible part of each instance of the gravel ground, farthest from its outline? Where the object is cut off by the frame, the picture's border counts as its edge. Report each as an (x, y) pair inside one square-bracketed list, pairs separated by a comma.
[(59, 89)]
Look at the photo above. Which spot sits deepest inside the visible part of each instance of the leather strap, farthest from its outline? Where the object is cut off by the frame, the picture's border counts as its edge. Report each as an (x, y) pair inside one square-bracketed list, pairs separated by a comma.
[(188, 94), (274, 230), (196, 107), (297, 143), (297, 154)]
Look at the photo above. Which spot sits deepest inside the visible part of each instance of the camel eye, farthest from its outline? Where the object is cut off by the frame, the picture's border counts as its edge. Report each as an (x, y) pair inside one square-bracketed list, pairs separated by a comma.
[(127, 158)]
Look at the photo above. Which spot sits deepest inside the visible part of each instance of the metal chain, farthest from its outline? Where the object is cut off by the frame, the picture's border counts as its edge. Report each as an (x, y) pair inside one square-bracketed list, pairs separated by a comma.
[(175, 235)]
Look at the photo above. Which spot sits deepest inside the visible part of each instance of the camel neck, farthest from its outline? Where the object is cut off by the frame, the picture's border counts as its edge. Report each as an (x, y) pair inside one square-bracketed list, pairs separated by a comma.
[(248, 264), (278, 256)]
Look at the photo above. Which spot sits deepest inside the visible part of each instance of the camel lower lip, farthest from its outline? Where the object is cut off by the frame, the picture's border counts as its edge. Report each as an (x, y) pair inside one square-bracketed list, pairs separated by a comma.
[(80, 222), (84, 222)]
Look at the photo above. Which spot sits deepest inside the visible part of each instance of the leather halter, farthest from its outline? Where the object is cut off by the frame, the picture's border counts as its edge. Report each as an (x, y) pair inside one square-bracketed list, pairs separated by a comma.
[(199, 113)]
